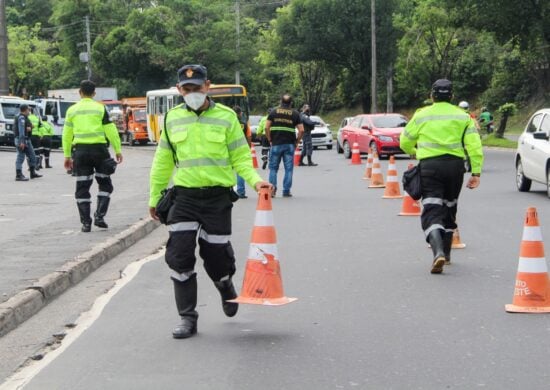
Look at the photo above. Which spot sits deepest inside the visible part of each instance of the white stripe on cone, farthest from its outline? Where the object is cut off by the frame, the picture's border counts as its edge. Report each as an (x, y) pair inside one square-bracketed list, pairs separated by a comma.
[(532, 233), (264, 218), (257, 251), (532, 265)]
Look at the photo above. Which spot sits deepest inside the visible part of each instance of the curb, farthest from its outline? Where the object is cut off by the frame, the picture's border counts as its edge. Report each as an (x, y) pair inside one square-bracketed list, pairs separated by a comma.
[(28, 302)]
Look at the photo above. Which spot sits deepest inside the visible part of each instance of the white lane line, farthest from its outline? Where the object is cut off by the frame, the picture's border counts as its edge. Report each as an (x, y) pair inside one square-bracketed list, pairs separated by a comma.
[(22, 377)]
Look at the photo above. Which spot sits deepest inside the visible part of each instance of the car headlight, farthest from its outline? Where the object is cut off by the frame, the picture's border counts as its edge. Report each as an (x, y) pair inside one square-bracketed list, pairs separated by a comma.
[(385, 138)]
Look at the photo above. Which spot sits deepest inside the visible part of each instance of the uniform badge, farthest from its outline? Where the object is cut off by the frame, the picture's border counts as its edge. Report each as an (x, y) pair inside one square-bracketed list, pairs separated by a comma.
[(189, 73)]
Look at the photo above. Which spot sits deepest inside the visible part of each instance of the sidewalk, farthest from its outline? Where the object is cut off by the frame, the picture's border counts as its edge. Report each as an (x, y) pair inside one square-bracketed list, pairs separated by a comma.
[(42, 250)]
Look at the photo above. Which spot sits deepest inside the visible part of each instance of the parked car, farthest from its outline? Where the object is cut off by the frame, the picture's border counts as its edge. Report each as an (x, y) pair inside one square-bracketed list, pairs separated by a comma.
[(254, 120), (533, 152), (380, 132), (346, 121), (321, 135)]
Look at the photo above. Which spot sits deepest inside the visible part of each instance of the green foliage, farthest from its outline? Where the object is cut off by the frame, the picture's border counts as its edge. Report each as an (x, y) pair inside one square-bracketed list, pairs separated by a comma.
[(508, 109)]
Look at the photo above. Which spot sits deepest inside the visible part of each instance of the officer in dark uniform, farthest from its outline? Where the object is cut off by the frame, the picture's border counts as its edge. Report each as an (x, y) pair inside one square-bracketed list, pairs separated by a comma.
[(23, 145)]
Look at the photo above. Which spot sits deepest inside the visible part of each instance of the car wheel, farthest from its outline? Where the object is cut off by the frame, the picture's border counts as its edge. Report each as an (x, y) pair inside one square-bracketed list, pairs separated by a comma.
[(329, 147), (339, 149), (347, 150), (522, 182)]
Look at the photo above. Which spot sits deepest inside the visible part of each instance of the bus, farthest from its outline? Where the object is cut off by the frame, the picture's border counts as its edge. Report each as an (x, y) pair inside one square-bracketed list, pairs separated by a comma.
[(159, 101)]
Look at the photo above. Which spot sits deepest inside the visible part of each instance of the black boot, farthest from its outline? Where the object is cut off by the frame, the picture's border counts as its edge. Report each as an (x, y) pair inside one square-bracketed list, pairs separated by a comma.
[(436, 242), (447, 245), (227, 291), (34, 175), (310, 163), (38, 162), (102, 207), (301, 164), (84, 211), (186, 301), (19, 176), (48, 163)]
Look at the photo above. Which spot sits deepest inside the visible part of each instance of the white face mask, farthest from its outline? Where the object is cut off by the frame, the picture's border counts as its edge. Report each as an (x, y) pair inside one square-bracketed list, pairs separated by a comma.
[(195, 100)]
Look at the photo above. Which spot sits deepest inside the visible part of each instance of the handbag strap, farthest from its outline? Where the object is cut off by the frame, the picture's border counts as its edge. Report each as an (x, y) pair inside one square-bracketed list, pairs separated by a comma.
[(174, 155)]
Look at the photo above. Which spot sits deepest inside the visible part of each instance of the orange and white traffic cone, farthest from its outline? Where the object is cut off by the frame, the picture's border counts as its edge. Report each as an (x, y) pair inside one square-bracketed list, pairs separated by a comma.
[(297, 157), (262, 284), (254, 158), (368, 166), (410, 207), (532, 290), (355, 154), (457, 243), (392, 190), (376, 180)]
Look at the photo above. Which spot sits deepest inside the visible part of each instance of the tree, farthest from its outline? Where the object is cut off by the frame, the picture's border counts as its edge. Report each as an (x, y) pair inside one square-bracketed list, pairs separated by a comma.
[(506, 110)]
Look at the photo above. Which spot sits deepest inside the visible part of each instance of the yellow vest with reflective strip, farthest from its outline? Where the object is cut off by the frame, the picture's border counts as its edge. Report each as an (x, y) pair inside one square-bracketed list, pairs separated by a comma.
[(35, 121), (46, 129), (84, 125), (438, 129), (210, 148)]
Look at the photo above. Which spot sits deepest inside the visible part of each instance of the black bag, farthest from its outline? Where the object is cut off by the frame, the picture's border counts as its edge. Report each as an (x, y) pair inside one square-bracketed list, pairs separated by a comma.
[(165, 204), (411, 182), (108, 166)]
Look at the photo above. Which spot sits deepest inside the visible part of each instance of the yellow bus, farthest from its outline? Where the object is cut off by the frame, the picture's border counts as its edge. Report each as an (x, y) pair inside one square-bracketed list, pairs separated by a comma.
[(159, 101)]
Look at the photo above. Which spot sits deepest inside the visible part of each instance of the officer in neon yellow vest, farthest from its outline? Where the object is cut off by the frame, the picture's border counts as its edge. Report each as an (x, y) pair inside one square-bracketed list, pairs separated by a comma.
[(35, 139), (439, 135), (46, 134), (87, 128), (209, 145)]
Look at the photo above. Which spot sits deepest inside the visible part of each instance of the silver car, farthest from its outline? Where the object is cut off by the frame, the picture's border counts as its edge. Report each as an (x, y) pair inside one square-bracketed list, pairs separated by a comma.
[(321, 135), (339, 141)]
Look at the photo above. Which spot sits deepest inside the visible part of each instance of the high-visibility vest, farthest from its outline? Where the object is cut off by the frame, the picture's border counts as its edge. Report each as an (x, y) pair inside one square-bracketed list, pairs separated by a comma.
[(46, 129), (35, 124)]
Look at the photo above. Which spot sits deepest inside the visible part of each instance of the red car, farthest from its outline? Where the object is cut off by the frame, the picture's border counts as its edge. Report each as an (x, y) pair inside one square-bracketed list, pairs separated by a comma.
[(380, 132)]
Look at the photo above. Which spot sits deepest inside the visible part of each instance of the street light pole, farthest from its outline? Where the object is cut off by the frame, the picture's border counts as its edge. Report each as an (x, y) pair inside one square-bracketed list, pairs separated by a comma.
[(238, 27), (4, 81), (373, 107), (88, 46)]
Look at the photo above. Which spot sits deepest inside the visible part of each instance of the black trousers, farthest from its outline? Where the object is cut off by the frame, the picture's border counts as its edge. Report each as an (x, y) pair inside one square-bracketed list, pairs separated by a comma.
[(206, 212), (441, 180), (87, 162), (46, 145)]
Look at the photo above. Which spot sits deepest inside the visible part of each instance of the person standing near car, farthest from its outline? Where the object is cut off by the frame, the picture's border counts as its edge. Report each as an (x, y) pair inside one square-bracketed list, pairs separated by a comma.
[(87, 128), (23, 130), (280, 131), (204, 141), (307, 144), (439, 135)]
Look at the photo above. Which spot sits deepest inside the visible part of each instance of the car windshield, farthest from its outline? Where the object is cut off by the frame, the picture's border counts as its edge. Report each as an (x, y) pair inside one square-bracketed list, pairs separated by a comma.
[(64, 106), (10, 110), (316, 118), (140, 116), (389, 121), (255, 120)]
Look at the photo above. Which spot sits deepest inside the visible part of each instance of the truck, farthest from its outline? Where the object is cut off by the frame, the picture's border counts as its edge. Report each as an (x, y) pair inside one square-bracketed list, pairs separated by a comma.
[(135, 120), (101, 93), (54, 109), (9, 109)]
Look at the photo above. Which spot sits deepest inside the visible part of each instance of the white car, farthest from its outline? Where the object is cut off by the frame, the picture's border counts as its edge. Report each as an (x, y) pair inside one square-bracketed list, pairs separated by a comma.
[(339, 140), (533, 152), (321, 135)]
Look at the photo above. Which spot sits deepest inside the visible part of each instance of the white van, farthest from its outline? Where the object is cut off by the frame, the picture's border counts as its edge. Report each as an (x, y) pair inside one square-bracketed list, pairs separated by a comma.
[(9, 109), (55, 109)]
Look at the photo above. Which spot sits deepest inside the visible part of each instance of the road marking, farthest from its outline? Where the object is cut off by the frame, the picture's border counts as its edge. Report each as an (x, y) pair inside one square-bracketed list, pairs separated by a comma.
[(22, 377), (6, 219)]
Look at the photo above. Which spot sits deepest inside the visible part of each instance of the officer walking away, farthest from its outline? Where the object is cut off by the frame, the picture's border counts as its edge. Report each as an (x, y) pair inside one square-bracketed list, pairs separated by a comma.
[(280, 130), (438, 135), (241, 190), (23, 145), (87, 128), (309, 125), (46, 134), (208, 143)]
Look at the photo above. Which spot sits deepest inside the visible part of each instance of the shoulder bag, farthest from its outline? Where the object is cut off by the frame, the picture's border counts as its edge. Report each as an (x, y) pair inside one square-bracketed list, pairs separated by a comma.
[(168, 195), (411, 182)]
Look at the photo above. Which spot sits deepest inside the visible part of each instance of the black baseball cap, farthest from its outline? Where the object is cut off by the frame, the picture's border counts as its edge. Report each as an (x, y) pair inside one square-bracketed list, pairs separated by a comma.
[(442, 87), (192, 74)]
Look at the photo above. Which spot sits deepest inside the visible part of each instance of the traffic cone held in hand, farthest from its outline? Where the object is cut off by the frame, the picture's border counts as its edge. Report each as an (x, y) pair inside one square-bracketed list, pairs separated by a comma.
[(368, 167), (392, 190), (376, 180), (254, 158), (532, 290), (262, 284), (355, 154)]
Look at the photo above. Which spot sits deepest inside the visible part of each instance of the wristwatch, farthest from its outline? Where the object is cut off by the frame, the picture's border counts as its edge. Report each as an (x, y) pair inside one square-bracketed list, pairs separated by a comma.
[(476, 174)]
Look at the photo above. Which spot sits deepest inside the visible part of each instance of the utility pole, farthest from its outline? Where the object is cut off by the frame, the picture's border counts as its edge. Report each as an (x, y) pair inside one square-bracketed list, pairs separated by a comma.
[(238, 26), (4, 81), (88, 46), (373, 107)]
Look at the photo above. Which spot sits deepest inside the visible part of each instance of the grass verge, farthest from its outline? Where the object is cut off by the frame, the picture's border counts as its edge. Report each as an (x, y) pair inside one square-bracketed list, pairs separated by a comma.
[(491, 140)]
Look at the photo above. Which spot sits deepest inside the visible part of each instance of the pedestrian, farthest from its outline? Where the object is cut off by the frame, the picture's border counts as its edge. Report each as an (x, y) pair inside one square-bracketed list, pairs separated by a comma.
[(439, 135), (241, 190), (35, 139), (87, 128), (280, 130), (307, 142), (23, 145), (46, 134), (206, 143)]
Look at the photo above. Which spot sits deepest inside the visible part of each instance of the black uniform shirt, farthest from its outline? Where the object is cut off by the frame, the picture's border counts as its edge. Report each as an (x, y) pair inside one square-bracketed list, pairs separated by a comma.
[(283, 123)]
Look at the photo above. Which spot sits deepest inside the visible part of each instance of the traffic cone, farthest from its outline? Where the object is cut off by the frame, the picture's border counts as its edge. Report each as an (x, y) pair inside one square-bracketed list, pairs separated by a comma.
[(355, 154), (392, 190), (297, 157), (457, 243), (376, 180), (532, 289), (254, 159), (410, 207), (368, 166), (262, 284)]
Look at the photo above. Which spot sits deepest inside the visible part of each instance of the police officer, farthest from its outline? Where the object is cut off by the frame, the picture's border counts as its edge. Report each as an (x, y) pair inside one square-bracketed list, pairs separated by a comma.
[(23, 145), (46, 134), (309, 125), (280, 130), (209, 144), (35, 139), (87, 128), (439, 135)]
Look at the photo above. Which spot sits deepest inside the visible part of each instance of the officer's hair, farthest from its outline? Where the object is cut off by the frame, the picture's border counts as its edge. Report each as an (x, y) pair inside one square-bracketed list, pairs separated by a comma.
[(87, 87), (440, 97), (286, 100), (23, 107)]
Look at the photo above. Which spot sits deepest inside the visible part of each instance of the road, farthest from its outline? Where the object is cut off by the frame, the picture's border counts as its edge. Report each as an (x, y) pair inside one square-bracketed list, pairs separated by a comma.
[(369, 314)]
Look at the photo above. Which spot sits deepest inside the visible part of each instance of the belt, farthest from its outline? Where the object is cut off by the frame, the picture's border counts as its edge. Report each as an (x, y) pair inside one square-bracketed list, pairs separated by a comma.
[(202, 192), (90, 146)]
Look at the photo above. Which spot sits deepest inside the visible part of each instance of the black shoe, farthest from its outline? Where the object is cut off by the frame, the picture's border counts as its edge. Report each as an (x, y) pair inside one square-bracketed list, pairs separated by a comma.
[(34, 175), (264, 164), (227, 292), (242, 196), (19, 176), (287, 195), (86, 228), (312, 164), (274, 192), (186, 329), (100, 222), (48, 166)]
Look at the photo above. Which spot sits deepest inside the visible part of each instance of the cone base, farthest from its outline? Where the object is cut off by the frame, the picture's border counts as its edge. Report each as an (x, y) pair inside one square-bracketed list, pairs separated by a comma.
[(392, 196), (264, 301), (458, 246), (409, 214), (521, 309)]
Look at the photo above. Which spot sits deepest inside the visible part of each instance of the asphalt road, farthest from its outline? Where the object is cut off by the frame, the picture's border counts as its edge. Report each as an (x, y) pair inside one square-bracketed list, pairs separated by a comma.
[(369, 314)]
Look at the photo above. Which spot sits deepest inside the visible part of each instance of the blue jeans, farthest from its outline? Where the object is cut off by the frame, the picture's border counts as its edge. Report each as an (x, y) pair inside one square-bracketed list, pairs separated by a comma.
[(28, 151), (240, 186), (283, 152)]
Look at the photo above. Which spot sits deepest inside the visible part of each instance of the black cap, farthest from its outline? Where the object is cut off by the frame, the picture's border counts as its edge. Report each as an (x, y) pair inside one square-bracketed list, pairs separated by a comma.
[(442, 87), (192, 74)]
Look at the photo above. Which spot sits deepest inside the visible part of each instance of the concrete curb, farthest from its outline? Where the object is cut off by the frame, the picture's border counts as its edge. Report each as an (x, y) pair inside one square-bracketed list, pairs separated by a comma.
[(28, 302)]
